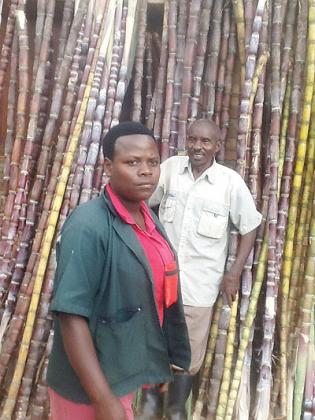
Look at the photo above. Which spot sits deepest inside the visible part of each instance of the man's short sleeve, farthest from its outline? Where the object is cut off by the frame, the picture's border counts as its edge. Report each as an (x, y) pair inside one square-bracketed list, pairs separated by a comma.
[(158, 194), (80, 263), (243, 211)]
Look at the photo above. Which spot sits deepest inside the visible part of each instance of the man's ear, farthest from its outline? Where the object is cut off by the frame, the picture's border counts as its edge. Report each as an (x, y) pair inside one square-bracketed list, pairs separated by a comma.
[(218, 145), (108, 167)]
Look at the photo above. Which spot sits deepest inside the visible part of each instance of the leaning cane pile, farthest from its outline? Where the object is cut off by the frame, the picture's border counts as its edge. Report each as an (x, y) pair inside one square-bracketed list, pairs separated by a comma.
[(250, 66)]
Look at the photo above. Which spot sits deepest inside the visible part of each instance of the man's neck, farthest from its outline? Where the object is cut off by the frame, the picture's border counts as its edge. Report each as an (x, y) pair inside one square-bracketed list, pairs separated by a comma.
[(199, 170)]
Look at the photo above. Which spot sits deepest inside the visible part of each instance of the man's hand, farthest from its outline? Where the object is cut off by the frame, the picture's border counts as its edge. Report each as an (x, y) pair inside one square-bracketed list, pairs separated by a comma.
[(230, 286), (110, 410)]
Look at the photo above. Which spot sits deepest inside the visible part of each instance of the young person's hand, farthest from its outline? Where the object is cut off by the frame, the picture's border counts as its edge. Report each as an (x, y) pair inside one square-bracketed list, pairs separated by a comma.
[(110, 410)]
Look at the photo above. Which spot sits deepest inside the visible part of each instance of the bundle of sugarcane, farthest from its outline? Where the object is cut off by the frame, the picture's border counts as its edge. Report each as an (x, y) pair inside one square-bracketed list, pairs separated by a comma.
[(52, 171), (249, 66)]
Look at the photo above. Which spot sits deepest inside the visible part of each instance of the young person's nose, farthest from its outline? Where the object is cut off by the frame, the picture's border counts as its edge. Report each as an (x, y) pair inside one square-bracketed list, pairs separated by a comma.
[(145, 169)]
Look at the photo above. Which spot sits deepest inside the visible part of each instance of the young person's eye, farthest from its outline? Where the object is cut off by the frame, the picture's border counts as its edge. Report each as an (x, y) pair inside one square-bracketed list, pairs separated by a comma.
[(132, 162), (155, 162)]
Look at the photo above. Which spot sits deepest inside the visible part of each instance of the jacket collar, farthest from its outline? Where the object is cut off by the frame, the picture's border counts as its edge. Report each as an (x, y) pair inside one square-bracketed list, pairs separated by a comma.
[(128, 236)]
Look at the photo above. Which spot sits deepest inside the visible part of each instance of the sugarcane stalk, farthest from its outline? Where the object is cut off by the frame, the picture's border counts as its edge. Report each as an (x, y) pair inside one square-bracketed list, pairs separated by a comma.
[(8, 231), (95, 160), (199, 61), (287, 50), (214, 330), (115, 65), (155, 117), (42, 327), (170, 76), (227, 372), (44, 254), (190, 50), (10, 117), (39, 407), (226, 100), (249, 14), (1, 5), (244, 107), (67, 18), (222, 65), (284, 129), (139, 63), (39, 29), (127, 58), (310, 373), (297, 180), (306, 309), (265, 380), (148, 75), (7, 43), (250, 316), (238, 9), (298, 256), (218, 362), (297, 280), (179, 68), (214, 46)]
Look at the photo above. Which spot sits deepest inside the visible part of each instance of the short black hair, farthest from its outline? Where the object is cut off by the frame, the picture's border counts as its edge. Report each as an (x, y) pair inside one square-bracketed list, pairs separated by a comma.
[(122, 129)]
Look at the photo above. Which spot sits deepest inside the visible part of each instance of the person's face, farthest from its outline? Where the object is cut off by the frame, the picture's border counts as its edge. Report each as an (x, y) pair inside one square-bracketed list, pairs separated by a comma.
[(135, 169), (202, 143)]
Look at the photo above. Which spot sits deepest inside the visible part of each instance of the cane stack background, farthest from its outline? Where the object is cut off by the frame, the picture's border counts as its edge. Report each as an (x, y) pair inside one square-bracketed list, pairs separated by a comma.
[(69, 70)]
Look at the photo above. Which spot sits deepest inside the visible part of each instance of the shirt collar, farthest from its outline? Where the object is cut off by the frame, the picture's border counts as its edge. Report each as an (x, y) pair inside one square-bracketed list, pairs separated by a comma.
[(124, 213), (208, 173)]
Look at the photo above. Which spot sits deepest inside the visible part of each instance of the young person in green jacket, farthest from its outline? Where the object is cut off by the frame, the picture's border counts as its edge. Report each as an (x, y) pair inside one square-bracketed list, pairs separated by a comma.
[(119, 316)]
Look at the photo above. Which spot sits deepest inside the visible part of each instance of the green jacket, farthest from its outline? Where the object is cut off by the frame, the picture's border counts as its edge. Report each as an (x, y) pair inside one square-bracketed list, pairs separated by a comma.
[(103, 274)]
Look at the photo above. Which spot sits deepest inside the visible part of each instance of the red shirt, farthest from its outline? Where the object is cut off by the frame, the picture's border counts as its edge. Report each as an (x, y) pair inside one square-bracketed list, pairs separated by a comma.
[(155, 247)]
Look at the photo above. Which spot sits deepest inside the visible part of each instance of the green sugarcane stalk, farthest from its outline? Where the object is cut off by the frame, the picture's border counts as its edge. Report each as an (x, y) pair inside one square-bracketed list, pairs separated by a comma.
[(307, 306), (227, 372)]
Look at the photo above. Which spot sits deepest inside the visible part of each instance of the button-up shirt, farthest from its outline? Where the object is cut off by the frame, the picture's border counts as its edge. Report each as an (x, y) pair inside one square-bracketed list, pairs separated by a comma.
[(197, 216)]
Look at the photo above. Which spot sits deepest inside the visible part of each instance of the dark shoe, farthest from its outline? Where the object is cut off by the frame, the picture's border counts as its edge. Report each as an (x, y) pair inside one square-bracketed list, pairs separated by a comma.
[(151, 404), (178, 393)]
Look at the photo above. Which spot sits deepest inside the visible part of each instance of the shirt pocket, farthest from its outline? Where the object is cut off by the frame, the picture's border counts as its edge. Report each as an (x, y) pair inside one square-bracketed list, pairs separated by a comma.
[(120, 345), (213, 221), (169, 208)]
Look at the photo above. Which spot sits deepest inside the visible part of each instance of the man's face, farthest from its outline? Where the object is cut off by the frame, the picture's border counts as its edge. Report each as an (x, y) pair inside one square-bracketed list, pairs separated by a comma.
[(202, 143)]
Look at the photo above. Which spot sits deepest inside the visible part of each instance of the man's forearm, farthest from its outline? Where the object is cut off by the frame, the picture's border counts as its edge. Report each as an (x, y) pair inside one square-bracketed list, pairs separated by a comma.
[(245, 245)]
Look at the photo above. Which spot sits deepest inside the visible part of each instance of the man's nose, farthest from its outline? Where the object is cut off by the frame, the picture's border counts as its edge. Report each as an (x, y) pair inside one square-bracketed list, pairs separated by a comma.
[(197, 145)]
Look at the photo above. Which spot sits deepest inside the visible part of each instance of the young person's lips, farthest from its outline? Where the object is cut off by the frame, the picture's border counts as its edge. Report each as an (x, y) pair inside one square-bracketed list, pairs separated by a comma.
[(145, 185)]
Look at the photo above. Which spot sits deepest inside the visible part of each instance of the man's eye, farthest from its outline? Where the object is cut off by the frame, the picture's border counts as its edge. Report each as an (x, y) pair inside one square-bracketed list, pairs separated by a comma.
[(155, 162)]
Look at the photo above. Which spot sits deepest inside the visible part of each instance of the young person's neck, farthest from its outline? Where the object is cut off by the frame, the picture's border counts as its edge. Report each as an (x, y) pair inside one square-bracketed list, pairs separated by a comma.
[(132, 206)]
